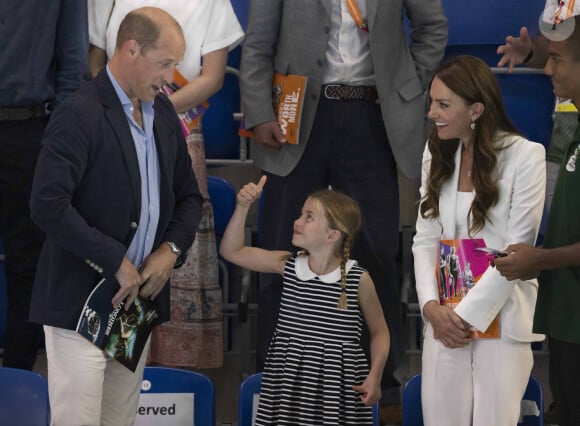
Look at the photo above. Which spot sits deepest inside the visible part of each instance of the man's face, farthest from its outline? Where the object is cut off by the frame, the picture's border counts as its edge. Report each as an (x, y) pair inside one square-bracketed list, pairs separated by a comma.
[(154, 67), (564, 70)]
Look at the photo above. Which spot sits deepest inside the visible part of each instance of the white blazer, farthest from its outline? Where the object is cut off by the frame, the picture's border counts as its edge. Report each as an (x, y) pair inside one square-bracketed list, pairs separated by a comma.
[(521, 180)]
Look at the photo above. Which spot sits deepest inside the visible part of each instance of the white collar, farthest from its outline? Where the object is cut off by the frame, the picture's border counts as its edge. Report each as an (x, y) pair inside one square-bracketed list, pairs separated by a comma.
[(304, 273)]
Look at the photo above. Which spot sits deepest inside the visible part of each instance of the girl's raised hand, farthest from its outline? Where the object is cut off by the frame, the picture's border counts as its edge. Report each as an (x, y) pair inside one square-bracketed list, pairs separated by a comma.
[(250, 192)]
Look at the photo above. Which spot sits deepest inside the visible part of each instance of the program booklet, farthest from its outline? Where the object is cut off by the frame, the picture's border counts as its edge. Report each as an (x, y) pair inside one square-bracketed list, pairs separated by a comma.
[(288, 91), (119, 333), (190, 118), (461, 265)]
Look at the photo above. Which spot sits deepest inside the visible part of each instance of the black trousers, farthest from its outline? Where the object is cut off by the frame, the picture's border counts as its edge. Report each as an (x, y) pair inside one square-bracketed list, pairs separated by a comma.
[(349, 150), (19, 148), (565, 381)]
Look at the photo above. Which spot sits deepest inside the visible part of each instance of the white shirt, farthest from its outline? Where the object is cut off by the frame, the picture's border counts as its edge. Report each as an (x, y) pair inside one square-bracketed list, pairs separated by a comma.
[(464, 200), (208, 25), (348, 56)]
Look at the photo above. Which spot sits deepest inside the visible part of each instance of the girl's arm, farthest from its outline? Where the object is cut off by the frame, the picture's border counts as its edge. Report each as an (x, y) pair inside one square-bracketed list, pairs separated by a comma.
[(206, 84), (232, 247), (370, 390)]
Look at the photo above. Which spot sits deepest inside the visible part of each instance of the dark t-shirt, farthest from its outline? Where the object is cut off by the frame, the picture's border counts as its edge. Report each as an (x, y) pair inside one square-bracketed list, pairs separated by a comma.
[(557, 312)]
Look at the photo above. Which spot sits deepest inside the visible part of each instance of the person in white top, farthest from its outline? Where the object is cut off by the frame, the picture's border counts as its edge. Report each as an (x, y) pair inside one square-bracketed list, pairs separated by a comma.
[(211, 29), (480, 179)]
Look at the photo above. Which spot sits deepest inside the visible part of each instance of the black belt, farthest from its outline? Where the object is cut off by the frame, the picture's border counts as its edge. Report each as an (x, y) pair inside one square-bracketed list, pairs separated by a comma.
[(349, 93), (22, 113)]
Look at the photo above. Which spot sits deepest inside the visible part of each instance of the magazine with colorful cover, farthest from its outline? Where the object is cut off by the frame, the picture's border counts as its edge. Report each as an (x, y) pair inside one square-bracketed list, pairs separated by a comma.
[(190, 118), (461, 265), (120, 333), (288, 91)]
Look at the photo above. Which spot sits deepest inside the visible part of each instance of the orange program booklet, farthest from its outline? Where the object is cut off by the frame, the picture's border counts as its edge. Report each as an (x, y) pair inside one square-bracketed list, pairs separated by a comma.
[(190, 118), (461, 265), (288, 93)]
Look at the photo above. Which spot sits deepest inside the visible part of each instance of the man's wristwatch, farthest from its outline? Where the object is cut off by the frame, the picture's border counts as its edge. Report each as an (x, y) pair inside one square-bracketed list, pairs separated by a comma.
[(174, 249)]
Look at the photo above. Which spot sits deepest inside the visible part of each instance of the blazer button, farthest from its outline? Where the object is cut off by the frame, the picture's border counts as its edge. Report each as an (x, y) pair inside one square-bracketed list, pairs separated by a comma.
[(326, 29), (133, 225), (320, 62)]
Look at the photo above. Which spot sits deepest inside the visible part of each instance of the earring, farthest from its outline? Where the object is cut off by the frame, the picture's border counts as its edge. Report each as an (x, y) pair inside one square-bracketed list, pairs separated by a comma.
[(472, 125)]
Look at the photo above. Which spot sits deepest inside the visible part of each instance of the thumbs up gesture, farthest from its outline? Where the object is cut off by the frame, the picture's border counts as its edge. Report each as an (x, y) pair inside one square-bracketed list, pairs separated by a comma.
[(250, 192)]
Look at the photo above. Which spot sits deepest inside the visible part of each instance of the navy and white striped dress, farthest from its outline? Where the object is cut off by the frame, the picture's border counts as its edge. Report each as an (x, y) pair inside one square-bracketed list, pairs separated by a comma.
[(315, 355)]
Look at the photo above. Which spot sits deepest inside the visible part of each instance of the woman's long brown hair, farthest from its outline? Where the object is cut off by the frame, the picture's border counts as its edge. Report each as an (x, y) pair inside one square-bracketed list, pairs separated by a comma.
[(472, 80)]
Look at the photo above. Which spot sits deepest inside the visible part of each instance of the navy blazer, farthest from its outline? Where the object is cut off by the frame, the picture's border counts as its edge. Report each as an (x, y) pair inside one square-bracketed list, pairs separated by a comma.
[(86, 197)]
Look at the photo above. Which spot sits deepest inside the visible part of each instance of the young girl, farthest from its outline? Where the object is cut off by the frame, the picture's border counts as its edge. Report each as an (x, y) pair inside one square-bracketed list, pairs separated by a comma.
[(315, 370)]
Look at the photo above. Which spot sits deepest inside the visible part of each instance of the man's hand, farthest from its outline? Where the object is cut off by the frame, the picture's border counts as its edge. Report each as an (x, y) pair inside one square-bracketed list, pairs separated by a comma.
[(447, 325), (515, 50), (129, 279), (155, 271), (269, 134), (520, 263)]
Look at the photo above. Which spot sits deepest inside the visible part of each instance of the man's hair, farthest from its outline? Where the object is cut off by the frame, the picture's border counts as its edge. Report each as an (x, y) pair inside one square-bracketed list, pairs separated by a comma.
[(144, 26), (140, 27), (573, 42)]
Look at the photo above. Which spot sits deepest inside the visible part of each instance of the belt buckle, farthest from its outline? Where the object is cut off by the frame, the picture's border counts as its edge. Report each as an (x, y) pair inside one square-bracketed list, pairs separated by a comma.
[(325, 91)]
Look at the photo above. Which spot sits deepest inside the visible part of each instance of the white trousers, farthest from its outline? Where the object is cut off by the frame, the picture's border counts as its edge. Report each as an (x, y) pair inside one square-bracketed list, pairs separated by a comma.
[(481, 384), (85, 386)]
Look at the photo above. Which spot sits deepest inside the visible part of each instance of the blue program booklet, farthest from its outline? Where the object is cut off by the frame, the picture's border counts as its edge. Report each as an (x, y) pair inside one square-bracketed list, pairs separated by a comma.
[(120, 333)]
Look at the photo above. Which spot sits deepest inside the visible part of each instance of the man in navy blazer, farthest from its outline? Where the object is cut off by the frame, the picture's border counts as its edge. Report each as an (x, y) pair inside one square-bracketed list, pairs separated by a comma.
[(115, 193)]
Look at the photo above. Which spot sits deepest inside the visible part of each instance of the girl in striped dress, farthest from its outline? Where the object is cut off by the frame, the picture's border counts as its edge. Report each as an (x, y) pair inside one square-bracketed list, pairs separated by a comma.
[(316, 372)]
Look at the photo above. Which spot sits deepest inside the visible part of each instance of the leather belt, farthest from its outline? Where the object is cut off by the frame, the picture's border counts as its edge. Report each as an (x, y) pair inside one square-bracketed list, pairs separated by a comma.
[(22, 113), (349, 93)]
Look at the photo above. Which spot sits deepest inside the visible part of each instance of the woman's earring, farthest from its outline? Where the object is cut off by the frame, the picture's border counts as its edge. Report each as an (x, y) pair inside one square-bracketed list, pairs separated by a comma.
[(472, 125)]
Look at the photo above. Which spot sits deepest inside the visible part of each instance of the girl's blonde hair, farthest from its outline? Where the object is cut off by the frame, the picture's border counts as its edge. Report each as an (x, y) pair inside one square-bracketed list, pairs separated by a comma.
[(343, 214)]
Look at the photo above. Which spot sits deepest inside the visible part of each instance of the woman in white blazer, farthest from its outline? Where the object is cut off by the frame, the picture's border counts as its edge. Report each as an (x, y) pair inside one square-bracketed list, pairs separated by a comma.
[(480, 179)]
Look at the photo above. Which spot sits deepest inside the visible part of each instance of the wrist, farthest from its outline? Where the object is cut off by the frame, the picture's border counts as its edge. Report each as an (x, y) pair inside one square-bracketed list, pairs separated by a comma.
[(173, 248), (428, 307), (176, 251), (530, 55)]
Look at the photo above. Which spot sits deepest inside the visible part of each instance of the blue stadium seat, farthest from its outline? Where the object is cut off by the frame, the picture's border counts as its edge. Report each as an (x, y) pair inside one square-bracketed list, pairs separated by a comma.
[(166, 393), (478, 30), (248, 398), (220, 130), (489, 22), (223, 199), (23, 398), (412, 411)]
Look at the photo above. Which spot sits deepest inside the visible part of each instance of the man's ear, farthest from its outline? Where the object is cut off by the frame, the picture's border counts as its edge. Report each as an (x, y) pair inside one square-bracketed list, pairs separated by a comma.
[(133, 47)]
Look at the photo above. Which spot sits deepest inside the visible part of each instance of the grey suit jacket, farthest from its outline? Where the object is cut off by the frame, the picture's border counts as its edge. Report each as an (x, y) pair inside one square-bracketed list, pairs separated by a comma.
[(291, 36)]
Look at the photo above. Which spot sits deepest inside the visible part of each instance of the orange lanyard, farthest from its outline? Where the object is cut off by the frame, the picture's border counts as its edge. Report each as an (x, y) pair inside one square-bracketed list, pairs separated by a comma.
[(356, 15), (569, 10)]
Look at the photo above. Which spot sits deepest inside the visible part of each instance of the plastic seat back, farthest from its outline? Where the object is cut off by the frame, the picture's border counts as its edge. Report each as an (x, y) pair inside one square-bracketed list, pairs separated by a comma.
[(23, 398), (171, 396)]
